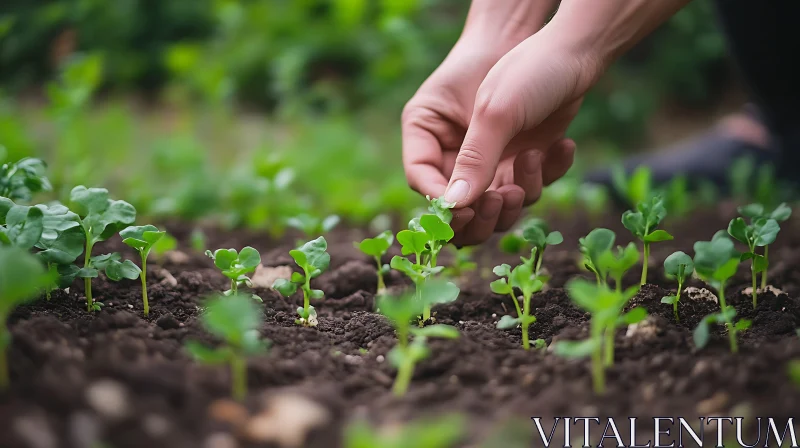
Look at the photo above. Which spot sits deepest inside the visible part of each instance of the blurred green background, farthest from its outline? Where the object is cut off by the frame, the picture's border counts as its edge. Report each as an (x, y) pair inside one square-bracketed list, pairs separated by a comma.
[(250, 111)]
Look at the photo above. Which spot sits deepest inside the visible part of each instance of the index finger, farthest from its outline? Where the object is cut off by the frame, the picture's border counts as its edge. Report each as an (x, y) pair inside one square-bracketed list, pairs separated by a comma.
[(423, 159)]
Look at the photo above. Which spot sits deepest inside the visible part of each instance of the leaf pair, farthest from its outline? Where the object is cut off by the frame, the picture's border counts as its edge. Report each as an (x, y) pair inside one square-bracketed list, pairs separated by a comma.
[(702, 332), (100, 216), (643, 222), (313, 258), (236, 265), (717, 260)]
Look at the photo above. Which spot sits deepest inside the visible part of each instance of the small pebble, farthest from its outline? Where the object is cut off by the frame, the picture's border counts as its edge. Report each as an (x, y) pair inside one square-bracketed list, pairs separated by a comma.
[(227, 411), (155, 425), (380, 358), (108, 398), (221, 440), (287, 420), (130, 306), (494, 315)]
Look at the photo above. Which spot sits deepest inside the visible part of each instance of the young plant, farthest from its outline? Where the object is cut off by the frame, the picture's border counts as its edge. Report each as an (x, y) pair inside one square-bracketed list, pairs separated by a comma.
[(400, 311), (426, 236), (376, 248), (522, 278), (759, 233), (236, 266), (441, 432), (313, 259), (20, 180), (22, 278), (643, 222), (534, 235), (62, 242), (592, 246), (462, 263), (715, 262), (101, 218), (636, 188), (313, 225), (617, 264), (605, 306), (20, 226), (143, 239), (680, 267), (235, 320), (757, 212)]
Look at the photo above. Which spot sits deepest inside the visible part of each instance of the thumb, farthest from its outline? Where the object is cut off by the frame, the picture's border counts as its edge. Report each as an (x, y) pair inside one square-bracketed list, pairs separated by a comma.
[(476, 164)]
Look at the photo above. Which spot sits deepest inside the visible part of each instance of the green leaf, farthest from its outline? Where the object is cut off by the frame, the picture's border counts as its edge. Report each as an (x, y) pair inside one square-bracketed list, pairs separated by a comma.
[(761, 263), (116, 271), (316, 294), (285, 287), (781, 213), (377, 246), (329, 223), (575, 349), (738, 229), (539, 344), (400, 309), (634, 316), (407, 267), (554, 238), (208, 355), (507, 322), (298, 278), (511, 243), (501, 287), (743, 324), (22, 278), (640, 184), (441, 208), (433, 292), (657, 236), (673, 263), (249, 258), (634, 222), (701, 333), (412, 241), (418, 350), (669, 299), (24, 226), (727, 270), (598, 241), (503, 270), (751, 210), (436, 229), (535, 235), (584, 293), (437, 331), (87, 273), (225, 258), (316, 255), (765, 232), (230, 318)]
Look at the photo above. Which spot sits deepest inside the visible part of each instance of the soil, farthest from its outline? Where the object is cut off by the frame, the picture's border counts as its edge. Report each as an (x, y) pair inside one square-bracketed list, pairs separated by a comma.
[(117, 379)]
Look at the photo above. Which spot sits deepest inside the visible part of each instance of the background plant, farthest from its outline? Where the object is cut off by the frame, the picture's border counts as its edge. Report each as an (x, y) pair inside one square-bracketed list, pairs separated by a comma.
[(236, 265), (143, 239), (440, 432), (20, 180), (642, 224), (759, 233), (313, 258), (592, 246), (235, 320), (680, 267), (757, 212), (376, 247)]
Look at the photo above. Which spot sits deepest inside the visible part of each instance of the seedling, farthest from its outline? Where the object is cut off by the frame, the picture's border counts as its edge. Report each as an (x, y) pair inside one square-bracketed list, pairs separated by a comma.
[(441, 432), (312, 225), (143, 239), (62, 242), (534, 235), (400, 311), (759, 233), (19, 181), (236, 265), (715, 262), (605, 306), (523, 279), (313, 259), (462, 263), (376, 248), (757, 212), (592, 246), (197, 240), (235, 320), (425, 238), (20, 226), (101, 218), (617, 264), (636, 188), (680, 267), (643, 222), (22, 278), (165, 244)]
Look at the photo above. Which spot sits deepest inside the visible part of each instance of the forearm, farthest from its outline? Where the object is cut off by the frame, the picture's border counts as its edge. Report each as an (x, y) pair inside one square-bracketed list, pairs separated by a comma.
[(605, 29), (509, 21)]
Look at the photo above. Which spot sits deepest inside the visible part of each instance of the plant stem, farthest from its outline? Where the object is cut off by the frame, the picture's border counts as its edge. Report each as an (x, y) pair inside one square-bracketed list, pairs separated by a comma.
[(609, 347), (731, 329), (4, 376), (49, 289), (87, 282), (526, 310), (143, 277), (238, 378), (677, 298), (644, 263), (234, 287), (406, 369), (598, 370), (516, 304), (381, 284), (755, 286), (764, 274)]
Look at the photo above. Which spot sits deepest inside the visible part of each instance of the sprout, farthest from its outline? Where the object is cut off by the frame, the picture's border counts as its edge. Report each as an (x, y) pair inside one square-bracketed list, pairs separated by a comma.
[(400, 311), (759, 233), (234, 319), (643, 222), (522, 278), (616, 265), (377, 247), (756, 212), (313, 259), (143, 239), (592, 246), (311, 225), (462, 263), (22, 278), (678, 266), (636, 188), (101, 218), (236, 266), (19, 181), (425, 238), (605, 306), (536, 235), (715, 262)]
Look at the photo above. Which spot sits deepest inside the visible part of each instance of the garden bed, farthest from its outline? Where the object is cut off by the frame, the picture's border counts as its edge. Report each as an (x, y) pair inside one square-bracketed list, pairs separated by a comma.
[(115, 377)]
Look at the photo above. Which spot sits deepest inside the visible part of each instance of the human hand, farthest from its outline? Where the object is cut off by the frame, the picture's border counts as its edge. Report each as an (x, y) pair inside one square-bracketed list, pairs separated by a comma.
[(435, 123)]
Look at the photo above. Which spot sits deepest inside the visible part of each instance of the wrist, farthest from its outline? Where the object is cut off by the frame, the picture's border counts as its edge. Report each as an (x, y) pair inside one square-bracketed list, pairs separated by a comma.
[(505, 23)]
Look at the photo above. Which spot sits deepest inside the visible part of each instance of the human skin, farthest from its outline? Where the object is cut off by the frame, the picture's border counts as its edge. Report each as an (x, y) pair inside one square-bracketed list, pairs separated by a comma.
[(487, 129)]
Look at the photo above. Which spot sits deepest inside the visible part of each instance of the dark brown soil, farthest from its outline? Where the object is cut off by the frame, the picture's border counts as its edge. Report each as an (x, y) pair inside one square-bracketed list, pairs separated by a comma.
[(117, 379)]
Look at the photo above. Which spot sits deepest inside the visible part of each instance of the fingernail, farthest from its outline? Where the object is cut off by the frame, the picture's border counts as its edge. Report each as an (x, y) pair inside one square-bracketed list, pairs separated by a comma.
[(513, 199), (490, 207), (457, 191), (531, 162)]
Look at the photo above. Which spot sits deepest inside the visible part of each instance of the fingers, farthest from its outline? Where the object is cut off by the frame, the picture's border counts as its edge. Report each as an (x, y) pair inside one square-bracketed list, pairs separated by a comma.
[(528, 175), (558, 161), (422, 154), (475, 166), (461, 217), (487, 213), (513, 199)]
